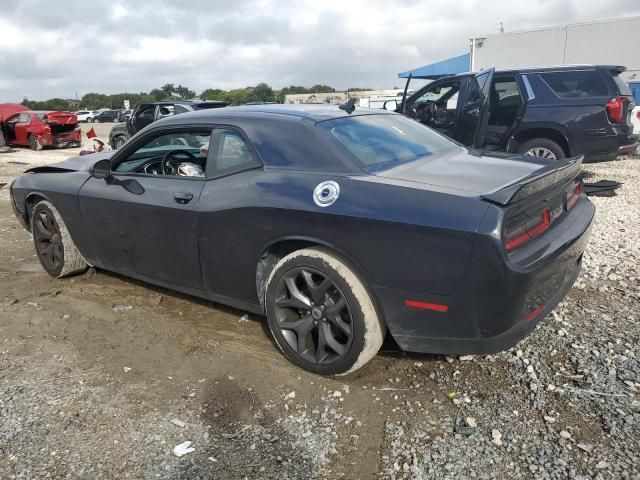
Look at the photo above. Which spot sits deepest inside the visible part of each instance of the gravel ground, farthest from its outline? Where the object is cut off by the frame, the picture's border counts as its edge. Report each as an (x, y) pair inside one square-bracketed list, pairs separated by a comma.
[(102, 377)]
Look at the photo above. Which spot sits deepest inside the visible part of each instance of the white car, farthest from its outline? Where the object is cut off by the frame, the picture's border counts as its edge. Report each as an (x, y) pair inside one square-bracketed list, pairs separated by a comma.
[(86, 115)]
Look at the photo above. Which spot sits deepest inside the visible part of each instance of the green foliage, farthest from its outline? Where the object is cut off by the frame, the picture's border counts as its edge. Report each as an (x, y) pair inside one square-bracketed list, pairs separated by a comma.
[(359, 89), (51, 104), (262, 92)]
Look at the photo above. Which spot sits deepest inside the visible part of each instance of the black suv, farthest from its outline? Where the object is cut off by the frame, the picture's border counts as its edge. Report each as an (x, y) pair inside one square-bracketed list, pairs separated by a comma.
[(147, 113), (106, 116), (552, 112)]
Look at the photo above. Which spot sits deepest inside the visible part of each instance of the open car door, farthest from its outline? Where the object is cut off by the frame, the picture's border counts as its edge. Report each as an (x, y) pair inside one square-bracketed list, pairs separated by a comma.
[(474, 115)]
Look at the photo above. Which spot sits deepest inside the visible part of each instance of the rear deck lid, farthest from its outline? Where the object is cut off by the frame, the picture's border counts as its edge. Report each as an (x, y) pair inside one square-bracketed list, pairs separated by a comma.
[(472, 171), (59, 118)]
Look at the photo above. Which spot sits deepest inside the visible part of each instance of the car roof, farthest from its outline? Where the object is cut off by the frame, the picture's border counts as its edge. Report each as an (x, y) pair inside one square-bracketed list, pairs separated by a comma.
[(313, 112), (615, 69)]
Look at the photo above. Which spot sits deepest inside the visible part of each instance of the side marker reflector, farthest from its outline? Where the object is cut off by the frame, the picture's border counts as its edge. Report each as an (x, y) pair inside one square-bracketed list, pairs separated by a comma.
[(533, 313), (436, 307)]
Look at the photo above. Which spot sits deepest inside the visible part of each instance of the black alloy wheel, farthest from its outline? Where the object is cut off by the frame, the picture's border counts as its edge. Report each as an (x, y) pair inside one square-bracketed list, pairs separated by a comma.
[(313, 316), (48, 241)]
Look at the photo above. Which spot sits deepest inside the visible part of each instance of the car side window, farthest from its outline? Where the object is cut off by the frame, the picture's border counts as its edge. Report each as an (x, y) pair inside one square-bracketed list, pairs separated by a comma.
[(24, 118), (182, 154), (180, 109), (232, 153), (576, 83), (146, 113), (165, 111)]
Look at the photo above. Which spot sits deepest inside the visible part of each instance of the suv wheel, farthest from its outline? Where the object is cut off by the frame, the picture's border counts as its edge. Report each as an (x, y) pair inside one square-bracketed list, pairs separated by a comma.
[(320, 313), (541, 147), (118, 142)]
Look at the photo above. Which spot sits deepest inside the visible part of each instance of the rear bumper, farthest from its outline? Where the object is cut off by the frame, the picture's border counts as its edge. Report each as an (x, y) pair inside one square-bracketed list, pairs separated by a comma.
[(51, 140), (499, 304), (613, 147)]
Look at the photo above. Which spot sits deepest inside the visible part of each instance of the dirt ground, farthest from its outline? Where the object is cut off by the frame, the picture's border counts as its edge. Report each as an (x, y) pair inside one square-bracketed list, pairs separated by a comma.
[(102, 376)]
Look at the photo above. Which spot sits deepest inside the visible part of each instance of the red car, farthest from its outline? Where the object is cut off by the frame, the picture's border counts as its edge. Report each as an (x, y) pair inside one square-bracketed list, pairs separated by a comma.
[(38, 129)]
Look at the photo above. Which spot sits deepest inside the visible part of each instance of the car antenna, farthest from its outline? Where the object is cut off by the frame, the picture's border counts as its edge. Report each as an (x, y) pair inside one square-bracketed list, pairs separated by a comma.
[(348, 106)]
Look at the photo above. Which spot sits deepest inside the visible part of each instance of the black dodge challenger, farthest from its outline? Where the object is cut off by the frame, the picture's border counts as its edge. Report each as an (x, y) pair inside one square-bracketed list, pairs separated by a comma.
[(338, 224)]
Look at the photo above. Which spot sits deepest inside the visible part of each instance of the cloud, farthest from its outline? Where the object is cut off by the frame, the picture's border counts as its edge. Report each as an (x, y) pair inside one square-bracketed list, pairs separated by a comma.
[(128, 45)]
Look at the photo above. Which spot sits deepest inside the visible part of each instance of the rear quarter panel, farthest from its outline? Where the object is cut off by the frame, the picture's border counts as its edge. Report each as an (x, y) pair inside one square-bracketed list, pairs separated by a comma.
[(405, 238)]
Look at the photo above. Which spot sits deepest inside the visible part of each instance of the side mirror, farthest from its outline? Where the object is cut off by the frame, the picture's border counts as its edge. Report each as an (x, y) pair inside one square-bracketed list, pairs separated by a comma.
[(390, 105), (101, 169)]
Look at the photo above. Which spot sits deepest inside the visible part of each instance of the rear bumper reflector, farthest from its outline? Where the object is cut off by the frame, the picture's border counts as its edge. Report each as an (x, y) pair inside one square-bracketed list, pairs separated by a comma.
[(436, 307), (533, 313)]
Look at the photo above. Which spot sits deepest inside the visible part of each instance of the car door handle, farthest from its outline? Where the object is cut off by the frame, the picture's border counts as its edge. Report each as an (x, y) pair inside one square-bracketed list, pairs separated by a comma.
[(183, 197)]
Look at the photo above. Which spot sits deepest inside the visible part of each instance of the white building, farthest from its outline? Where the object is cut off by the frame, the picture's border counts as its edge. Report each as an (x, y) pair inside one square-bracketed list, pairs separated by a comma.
[(607, 42)]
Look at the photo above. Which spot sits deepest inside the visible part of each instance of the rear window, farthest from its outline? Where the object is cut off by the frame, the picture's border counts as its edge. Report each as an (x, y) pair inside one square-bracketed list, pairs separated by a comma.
[(577, 83), (377, 140)]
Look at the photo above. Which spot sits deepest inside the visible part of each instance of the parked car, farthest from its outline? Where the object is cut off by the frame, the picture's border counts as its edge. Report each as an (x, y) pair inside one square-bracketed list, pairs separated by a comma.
[(124, 115), (38, 129), (85, 115), (147, 113), (338, 226), (107, 116), (554, 112)]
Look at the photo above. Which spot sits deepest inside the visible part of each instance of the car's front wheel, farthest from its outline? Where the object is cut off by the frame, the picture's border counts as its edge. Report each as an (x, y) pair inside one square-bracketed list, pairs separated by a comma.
[(118, 142), (542, 147), (321, 314), (55, 248)]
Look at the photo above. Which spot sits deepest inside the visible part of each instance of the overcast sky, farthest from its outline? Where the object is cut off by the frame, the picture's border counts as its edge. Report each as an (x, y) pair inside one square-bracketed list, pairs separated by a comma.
[(55, 49)]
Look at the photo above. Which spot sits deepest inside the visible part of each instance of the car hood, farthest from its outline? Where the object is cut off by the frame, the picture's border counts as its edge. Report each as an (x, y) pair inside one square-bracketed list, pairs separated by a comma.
[(473, 171), (74, 164)]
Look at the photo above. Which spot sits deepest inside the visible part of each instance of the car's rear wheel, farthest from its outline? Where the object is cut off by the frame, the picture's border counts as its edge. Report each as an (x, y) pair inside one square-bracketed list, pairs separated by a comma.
[(542, 147), (89, 120), (55, 248), (321, 314), (34, 143)]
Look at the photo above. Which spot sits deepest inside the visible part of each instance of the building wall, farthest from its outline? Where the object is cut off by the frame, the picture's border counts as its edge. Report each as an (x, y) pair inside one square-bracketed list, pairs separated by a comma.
[(613, 42), (340, 97)]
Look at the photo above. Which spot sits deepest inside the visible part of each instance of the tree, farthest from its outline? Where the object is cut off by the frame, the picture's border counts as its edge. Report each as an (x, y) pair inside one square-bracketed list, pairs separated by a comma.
[(262, 93), (184, 92), (168, 89), (213, 94)]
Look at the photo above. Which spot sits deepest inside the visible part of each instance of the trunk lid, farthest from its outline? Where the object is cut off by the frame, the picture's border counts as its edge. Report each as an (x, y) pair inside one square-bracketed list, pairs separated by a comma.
[(61, 122), (471, 171), (60, 118)]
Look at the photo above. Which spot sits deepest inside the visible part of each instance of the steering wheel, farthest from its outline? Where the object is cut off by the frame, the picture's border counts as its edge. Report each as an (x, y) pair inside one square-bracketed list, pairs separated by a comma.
[(427, 112), (166, 166)]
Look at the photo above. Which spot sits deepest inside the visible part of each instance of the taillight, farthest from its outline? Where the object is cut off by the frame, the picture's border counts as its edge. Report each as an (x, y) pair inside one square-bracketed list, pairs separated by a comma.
[(520, 232), (615, 109), (573, 195), (638, 114)]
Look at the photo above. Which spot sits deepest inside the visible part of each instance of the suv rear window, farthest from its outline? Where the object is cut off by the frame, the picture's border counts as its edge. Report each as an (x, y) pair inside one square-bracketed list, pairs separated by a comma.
[(577, 83)]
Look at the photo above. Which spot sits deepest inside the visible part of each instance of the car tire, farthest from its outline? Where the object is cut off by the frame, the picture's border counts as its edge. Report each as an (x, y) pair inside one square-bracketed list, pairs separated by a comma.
[(54, 246), (34, 143), (542, 147), (118, 142), (321, 314), (89, 120)]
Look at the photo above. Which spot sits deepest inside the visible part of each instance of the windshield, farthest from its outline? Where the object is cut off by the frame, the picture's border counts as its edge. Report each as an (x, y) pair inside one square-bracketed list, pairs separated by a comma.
[(381, 140)]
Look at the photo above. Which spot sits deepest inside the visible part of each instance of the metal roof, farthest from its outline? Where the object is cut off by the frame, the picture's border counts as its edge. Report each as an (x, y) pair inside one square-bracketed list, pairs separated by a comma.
[(445, 68)]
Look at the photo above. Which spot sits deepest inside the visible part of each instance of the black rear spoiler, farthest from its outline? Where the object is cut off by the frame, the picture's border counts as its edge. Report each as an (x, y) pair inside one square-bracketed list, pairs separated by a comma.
[(550, 175)]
